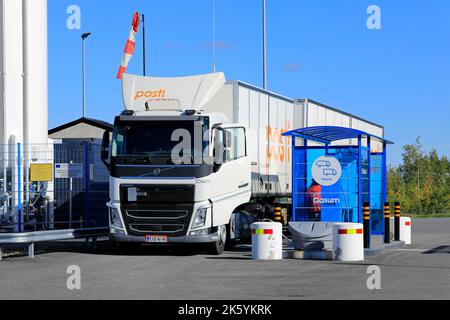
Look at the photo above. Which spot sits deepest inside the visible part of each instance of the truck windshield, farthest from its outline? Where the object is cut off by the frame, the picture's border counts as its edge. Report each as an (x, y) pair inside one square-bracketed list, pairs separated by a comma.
[(154, 142)]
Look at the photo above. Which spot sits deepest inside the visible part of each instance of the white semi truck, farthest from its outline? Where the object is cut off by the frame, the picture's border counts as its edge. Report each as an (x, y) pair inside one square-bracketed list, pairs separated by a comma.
[(193, 157)]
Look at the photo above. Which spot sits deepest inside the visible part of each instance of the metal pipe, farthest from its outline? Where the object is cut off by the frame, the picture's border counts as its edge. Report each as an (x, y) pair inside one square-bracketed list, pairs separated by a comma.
[(19, 187), (4, 111), (264, 45), (26, 102)]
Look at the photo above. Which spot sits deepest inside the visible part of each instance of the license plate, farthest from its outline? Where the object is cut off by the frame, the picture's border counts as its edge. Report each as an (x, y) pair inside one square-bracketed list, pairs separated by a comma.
[(156, 239)]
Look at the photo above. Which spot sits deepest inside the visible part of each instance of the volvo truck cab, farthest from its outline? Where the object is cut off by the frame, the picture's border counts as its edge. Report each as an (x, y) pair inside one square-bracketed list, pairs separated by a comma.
[(177, 172)]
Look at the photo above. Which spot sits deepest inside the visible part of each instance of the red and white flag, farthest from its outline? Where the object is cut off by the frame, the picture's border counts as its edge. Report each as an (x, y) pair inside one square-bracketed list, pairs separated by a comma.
[(129, 47)]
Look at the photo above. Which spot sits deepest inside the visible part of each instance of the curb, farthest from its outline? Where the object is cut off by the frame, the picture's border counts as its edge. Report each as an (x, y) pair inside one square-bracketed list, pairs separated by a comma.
[(383, 247)]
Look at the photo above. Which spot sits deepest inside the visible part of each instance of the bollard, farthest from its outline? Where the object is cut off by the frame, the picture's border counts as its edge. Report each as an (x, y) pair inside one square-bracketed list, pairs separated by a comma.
[(387, 223), (348, 243), (405, 230), (267, 241), (397, 221), (277, 217), (366, 224)]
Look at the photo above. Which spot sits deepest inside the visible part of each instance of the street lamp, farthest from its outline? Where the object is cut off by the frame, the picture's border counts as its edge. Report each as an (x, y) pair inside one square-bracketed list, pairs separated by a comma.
[(264, 44), (83, 37)]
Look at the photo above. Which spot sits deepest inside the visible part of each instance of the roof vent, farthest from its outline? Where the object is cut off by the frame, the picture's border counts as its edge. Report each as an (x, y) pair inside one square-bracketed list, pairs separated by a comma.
[(190, 112), (128, 113)]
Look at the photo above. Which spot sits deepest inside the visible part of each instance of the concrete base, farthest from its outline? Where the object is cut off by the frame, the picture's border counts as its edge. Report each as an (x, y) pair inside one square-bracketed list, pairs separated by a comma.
[(308, 255), (380, 248), (328, 254)]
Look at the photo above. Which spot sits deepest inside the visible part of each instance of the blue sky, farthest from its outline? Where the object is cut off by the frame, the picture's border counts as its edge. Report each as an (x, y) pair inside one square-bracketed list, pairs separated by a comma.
[(398, 76)]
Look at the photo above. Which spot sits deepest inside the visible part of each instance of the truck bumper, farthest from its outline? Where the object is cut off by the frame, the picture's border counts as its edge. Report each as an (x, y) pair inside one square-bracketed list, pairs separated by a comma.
[(184, 239)]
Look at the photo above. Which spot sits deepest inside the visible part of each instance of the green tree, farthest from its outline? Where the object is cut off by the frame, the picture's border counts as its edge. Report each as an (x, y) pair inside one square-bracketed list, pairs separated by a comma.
[(422, 182)]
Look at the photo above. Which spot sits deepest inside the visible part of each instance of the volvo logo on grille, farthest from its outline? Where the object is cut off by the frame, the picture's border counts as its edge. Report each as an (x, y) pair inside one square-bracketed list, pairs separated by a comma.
[(157, 172)]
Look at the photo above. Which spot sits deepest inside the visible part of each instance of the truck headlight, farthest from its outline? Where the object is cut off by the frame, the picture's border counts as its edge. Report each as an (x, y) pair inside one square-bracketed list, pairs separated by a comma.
[(200, 218), (115, 218)]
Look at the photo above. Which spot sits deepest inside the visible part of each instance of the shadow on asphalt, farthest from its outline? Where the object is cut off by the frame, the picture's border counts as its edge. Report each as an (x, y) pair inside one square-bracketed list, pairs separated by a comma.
[(246, 257), (108, 248), (387, 265), (438, 250)]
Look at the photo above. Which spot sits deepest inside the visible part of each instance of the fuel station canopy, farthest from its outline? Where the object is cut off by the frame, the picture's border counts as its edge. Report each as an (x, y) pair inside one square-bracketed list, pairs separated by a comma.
[(334, 171)]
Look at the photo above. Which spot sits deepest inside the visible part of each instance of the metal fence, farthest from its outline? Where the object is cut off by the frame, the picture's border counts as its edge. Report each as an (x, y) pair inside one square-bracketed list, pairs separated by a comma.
[(53, 186)]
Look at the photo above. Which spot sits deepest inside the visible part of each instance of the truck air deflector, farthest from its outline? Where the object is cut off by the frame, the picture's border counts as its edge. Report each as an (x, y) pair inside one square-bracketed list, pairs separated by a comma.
[(177, 93)]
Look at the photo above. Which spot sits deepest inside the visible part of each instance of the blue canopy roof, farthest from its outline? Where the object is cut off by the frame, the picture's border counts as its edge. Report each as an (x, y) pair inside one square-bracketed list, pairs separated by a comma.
[(328, 134)]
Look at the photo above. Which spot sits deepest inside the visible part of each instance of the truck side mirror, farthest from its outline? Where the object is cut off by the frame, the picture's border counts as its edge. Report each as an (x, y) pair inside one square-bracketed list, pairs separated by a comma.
[(228, 137), (218, 148), (105, 149)]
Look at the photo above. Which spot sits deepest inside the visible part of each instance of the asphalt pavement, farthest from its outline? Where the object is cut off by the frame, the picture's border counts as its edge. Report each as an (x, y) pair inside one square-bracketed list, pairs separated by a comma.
[(419, 271)]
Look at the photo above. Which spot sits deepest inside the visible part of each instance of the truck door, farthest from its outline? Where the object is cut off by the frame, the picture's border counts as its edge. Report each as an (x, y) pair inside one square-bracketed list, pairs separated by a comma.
[(231, 180)]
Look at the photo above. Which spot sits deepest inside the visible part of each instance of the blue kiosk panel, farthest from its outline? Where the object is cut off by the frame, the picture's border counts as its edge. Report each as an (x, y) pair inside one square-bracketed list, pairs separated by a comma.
[(331, 183)]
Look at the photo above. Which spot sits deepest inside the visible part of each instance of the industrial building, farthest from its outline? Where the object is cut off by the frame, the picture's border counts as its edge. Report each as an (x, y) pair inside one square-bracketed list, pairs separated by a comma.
[(80, 201)]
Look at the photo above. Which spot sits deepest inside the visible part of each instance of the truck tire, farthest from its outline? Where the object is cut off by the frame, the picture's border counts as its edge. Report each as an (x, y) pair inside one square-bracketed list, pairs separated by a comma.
[(216, 248)]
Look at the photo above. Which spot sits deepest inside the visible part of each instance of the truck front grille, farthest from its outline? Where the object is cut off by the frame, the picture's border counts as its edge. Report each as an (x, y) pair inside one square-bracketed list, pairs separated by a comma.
[(157, 219)]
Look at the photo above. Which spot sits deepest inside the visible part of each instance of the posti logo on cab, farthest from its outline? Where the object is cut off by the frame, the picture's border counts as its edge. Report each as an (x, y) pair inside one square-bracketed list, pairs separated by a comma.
[(150, 94)]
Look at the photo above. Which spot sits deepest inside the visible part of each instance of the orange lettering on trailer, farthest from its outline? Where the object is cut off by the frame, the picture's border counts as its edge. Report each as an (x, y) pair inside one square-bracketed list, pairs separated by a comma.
[(279, 150)]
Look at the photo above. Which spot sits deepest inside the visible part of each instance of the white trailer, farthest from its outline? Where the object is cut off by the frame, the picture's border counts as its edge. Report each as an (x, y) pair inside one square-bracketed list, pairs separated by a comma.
[(236, 159), (268, 115), (318, 114)]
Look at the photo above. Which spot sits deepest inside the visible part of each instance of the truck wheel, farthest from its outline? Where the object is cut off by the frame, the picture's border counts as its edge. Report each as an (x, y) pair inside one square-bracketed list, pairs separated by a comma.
[(216, 248)]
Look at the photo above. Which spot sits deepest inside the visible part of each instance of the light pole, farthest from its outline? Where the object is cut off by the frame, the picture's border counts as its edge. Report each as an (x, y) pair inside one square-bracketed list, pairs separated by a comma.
[(264, 45), (214, 36), (83, 37)]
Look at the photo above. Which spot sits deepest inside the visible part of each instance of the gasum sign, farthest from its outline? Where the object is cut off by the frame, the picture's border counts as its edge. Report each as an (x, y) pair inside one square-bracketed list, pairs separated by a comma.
[(326, 170)]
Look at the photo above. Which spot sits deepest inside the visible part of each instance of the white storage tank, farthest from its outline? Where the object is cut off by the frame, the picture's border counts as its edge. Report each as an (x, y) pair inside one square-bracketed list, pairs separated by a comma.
[(11, 66), (37, 70), (23, 95), (24, 72), (267, 240)]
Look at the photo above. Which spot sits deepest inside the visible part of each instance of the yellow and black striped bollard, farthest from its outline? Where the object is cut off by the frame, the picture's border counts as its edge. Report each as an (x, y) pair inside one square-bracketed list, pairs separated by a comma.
[(277, 217), (397, 221), (387, 223), (366, 224)]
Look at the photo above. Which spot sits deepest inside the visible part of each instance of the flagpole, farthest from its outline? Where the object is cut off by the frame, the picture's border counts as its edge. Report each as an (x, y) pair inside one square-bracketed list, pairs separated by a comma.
[(143, 45)]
